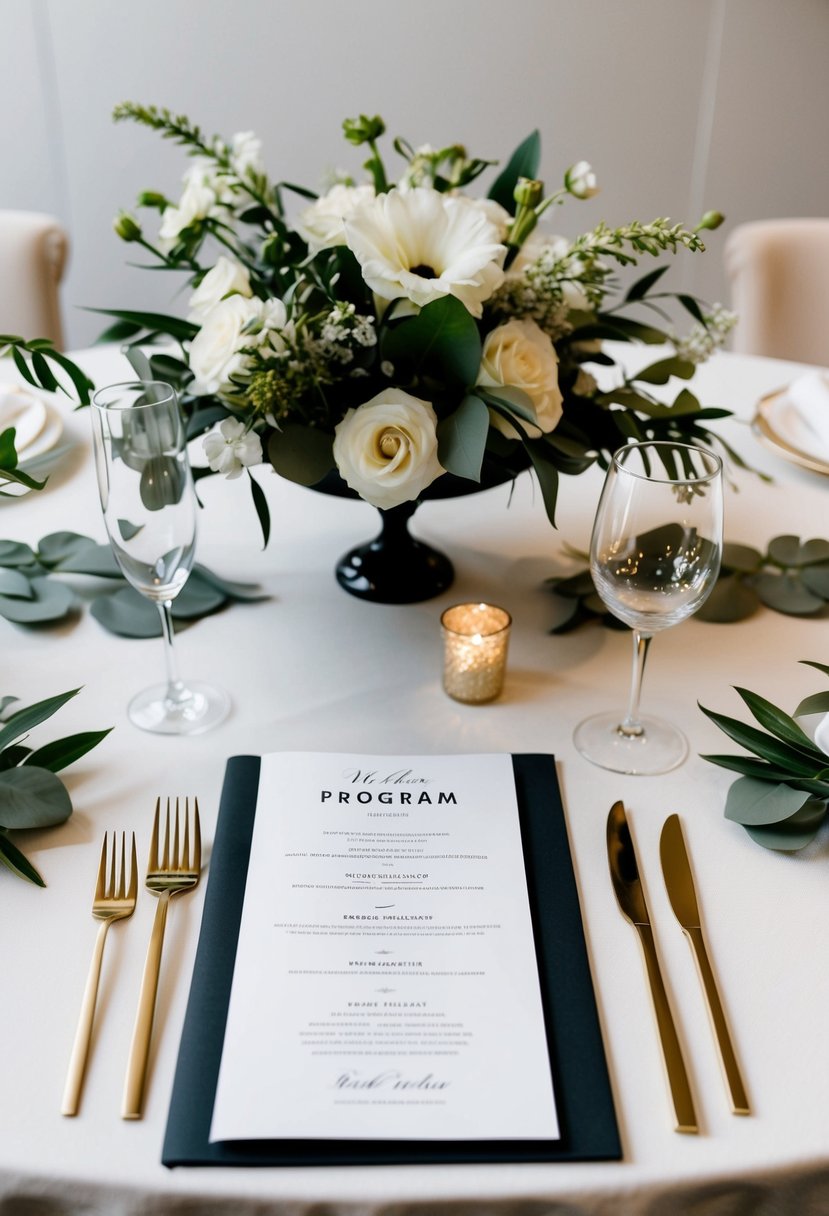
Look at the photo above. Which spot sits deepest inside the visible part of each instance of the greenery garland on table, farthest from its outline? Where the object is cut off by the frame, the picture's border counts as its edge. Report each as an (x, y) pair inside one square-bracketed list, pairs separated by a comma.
[(782, 795), (792, 577), (30, 595), (31, 795)]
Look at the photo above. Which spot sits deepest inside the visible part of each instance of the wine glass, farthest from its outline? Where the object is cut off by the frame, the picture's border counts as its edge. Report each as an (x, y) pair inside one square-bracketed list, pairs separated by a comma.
[(654, 556), (149, 507)]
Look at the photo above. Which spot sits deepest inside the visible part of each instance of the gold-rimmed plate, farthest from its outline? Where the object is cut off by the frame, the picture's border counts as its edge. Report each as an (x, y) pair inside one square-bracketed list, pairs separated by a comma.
[(780, 429)]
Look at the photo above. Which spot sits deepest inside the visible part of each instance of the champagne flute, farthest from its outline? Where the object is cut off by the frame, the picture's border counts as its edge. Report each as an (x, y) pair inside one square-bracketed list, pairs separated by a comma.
[(149, 507), (654, 556)]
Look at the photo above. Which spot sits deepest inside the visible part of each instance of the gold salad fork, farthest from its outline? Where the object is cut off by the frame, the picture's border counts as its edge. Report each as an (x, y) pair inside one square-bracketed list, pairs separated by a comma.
[(177, 871), (114, 899)]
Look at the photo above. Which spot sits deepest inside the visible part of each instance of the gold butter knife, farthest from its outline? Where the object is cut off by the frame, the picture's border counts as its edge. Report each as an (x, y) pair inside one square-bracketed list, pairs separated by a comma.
[(679, 880), (624, 872)]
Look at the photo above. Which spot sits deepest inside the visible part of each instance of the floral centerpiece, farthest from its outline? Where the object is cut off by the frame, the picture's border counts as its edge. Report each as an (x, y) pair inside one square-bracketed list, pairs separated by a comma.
[(401, 335)]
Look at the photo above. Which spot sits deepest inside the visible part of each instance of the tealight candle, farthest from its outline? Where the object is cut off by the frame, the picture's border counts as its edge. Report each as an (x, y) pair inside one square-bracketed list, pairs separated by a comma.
[(475, 638)]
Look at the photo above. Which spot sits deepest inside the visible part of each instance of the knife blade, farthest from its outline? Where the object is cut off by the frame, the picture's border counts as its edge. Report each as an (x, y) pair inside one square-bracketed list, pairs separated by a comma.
[(624, 873), (679, 881)]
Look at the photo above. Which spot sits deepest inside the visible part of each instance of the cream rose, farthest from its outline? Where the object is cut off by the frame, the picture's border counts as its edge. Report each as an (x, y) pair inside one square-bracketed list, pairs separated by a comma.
[(227, 277), (386, 449), (235, 325), (322, 223), (520, 354)]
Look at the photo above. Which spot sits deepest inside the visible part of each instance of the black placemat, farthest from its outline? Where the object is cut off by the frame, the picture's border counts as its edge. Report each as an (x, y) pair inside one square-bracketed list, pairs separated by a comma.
[(584, 1102)]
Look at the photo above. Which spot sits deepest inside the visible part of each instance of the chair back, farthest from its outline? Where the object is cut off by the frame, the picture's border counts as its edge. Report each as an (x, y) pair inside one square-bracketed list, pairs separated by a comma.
[(33, 252), (779, 276)]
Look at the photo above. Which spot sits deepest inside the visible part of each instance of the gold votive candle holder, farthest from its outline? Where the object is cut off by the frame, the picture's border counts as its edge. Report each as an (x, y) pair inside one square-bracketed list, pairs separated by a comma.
[(475, 640)]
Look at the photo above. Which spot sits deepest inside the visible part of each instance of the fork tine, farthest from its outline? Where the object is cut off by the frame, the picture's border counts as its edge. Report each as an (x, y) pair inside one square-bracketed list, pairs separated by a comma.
[(102, 871), (132, 893), (196, 837), (185, 850), (122, 877), (153, 861)]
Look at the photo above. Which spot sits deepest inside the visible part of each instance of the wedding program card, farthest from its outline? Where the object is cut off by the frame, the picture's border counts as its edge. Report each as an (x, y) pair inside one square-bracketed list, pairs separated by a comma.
[(385, 983)]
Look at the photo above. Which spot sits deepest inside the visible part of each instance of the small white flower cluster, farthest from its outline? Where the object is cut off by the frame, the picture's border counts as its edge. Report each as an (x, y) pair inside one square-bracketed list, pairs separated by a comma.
[(343, 329), (703, 339)]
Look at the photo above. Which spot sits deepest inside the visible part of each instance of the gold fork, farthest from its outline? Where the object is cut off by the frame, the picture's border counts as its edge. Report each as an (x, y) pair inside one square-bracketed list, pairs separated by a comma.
[(176, 872), (113, 900)]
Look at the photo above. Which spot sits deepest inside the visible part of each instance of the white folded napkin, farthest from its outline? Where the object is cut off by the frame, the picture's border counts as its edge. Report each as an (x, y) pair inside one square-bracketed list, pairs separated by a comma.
[(26, 413), (807, 399)]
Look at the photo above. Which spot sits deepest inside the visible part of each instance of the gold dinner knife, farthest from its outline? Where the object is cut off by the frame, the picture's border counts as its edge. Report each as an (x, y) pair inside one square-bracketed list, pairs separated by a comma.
[(676, 867), (624, 872)]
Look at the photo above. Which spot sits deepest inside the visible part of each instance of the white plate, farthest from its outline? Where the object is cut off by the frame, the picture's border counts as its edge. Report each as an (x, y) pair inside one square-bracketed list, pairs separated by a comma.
[(25, 412), (780, 428)]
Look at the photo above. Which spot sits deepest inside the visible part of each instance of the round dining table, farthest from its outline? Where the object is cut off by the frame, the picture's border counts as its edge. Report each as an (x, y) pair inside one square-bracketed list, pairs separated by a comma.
[(313, 668)]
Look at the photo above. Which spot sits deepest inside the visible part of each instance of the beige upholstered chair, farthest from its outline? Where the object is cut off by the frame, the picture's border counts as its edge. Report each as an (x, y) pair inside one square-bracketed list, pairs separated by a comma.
[(33, 249), (779, 275)]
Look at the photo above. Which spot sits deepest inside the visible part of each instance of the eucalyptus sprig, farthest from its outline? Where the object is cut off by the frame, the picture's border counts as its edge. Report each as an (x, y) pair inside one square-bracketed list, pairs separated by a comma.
[(791, 576), (31, 795), (782, 795), (31, 594)]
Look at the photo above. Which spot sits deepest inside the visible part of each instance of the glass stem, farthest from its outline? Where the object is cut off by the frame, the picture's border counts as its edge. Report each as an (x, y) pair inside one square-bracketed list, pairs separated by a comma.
[(177, 693), (630, 726)]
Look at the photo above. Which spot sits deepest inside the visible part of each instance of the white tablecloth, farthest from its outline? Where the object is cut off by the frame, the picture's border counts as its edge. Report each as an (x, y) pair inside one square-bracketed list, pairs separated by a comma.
[(313, 668)]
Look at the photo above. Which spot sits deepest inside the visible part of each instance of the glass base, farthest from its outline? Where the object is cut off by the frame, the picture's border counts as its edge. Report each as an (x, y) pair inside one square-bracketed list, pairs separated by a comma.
[(205, 708), (660, 747)]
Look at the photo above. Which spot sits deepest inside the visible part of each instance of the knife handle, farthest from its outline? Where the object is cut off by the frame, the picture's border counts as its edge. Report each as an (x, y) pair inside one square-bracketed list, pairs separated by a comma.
[(683, 1102), (739, 1100)]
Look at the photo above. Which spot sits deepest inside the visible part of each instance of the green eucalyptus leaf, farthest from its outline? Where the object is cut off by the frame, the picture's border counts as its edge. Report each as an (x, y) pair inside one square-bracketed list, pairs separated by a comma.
[(59, 547), (14, 860), (793, 833), (128, 614), (15, 553), (246, 592), (816, 580), (742, 559), (462, 438), (752, 802), (730, 600), (785, 550), (302, 454), (785, 593), (15, 584), (196, 599), (32, 798), (49, 601), (93, 559), (56, 756), (26, 719)]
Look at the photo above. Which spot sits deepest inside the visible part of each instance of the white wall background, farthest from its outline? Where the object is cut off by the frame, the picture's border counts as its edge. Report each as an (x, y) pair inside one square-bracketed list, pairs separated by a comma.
[(681, 106)]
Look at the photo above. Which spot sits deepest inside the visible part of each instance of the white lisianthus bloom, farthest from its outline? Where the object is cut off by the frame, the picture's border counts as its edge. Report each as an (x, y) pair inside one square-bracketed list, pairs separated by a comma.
[(386, 449), (321, 223), (580, 180), (246, 154), (234, 326), (230, 448), (520, 354), (226, 278), (420, 245)]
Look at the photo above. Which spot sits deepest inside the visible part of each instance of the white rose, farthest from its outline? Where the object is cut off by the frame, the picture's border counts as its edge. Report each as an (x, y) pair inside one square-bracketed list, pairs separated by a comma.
[(230, 448), (386, 449), (236, 324), (520, 354), (322, 223), (224, 279)]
